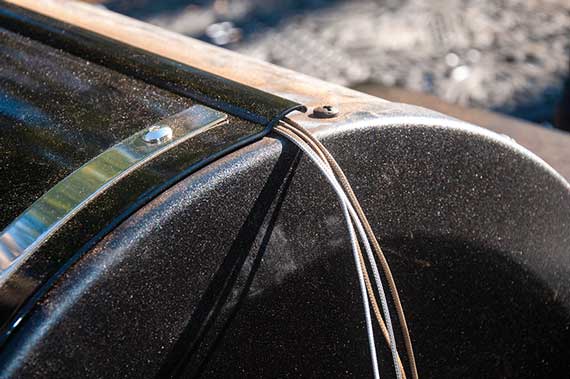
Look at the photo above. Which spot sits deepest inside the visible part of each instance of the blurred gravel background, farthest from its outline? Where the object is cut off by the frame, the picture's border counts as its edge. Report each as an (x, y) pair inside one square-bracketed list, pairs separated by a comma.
[(511, 56)]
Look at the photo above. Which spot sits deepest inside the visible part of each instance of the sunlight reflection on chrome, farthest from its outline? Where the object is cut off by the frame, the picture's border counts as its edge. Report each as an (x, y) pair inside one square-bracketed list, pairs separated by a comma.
[(27, 232)]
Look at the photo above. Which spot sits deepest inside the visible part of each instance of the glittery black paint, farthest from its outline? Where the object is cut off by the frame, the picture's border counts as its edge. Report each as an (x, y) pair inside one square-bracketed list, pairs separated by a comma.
[(58, 111), (243, 269), (62, 107), (477, 233), (228, 96)]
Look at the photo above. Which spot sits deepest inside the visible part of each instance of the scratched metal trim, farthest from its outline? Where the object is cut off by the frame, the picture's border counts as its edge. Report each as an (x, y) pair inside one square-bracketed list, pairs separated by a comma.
[(45, 216)]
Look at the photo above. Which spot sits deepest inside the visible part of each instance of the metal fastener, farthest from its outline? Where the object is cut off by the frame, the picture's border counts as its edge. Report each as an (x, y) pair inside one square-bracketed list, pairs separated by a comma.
[(324, 111), (158, 134)]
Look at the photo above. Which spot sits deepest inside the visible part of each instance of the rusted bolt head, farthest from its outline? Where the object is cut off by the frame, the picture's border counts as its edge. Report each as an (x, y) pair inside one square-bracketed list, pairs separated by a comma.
[(324, 111)]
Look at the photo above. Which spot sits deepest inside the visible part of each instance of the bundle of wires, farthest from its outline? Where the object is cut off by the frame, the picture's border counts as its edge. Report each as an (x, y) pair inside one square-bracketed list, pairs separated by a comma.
[(362, 236)]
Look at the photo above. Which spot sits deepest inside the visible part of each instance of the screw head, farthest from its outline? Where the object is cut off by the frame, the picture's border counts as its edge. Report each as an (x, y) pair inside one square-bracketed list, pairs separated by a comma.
[(324, 111), (158, 134)]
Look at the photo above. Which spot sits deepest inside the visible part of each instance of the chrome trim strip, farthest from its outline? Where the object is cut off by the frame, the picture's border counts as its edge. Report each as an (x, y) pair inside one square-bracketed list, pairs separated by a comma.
[(47, 214)]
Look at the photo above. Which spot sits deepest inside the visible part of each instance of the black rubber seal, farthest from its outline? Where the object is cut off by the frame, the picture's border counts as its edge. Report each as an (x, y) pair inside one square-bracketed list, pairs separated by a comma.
[(26, 286), (212, 90)]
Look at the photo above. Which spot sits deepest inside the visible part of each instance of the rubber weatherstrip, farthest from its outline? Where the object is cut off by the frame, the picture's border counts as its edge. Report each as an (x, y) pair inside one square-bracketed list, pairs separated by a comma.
[(32, 280), (212, 90)]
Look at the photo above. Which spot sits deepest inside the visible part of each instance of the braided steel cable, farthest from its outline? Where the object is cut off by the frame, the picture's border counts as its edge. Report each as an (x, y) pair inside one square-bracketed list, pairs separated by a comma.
[(315, 157), (377, 312), (372, 237), (369, 287), (354, 241)]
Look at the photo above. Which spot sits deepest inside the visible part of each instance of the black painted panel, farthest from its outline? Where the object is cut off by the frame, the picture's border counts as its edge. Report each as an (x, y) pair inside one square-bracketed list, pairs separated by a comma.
[(58, 111), (477, 234), (209, 89)]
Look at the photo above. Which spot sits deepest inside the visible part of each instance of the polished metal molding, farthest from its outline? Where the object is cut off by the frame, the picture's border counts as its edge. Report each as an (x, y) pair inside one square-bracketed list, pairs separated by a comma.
[(47, 214)]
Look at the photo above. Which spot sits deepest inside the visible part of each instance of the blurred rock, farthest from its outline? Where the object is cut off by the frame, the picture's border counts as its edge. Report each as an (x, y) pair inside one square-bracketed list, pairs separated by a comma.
[(223, 33)]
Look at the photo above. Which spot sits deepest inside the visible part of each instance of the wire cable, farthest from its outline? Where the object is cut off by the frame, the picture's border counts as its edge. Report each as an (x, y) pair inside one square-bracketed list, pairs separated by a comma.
[(371, 293), (290, 124), (326, 170), (387, 332)]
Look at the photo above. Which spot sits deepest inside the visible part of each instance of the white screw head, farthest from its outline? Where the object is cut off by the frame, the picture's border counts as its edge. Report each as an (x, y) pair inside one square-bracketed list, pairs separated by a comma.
[(158, 134)]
